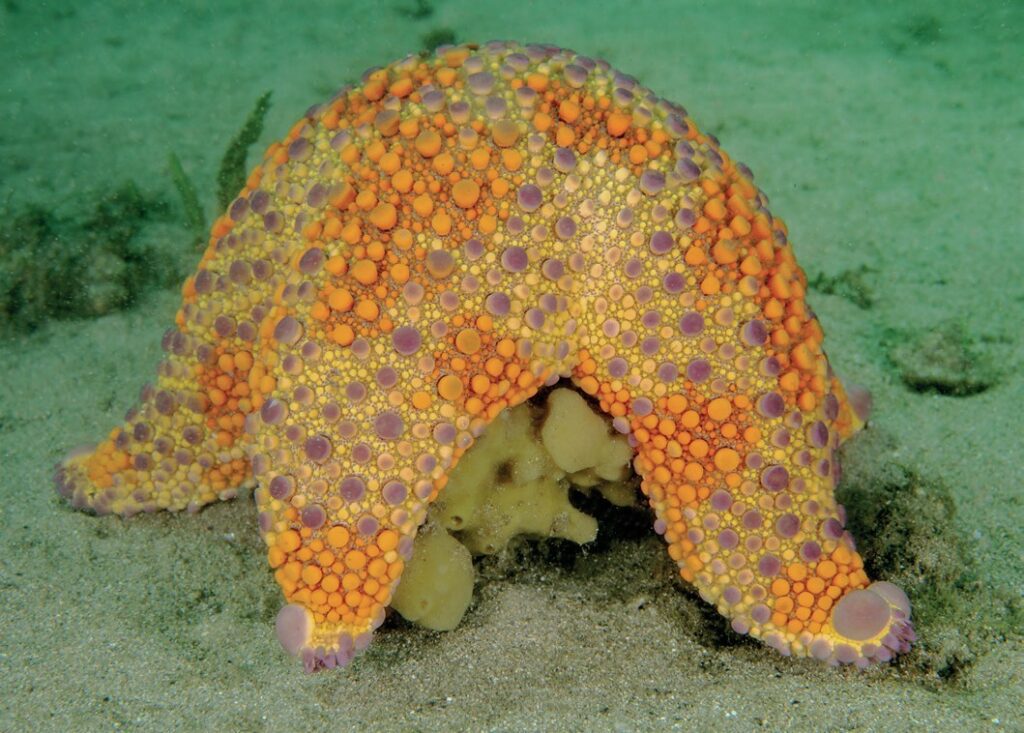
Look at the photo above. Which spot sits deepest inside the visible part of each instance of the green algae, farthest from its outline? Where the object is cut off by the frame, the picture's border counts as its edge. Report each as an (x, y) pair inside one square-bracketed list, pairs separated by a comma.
[(418, 10), (60, 267), (948, 360), (853, 285), (194, 216), (232, 173), (437, 37), (55, 267)]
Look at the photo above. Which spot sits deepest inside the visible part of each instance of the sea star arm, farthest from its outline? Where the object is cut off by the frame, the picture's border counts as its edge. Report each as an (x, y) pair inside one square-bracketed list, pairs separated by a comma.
[(740, 468), (348, 466), (183, 444)]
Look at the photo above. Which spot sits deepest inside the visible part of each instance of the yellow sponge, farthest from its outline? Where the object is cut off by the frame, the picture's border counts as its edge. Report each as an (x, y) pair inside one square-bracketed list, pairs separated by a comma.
[(514, 481)]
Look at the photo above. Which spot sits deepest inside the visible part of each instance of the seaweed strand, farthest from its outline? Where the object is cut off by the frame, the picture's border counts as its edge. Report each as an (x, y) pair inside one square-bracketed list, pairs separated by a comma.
[(231, 176)]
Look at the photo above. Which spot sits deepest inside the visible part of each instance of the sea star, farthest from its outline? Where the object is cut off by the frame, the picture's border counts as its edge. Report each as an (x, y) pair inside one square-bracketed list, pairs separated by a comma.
[(432, 246)]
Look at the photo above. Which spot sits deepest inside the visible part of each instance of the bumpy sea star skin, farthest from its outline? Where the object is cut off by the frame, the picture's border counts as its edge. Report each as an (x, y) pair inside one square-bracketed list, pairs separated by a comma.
[(433, 246)]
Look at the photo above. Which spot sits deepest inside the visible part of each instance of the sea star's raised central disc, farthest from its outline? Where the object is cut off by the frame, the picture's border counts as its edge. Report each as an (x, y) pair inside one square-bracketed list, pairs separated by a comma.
[(427, 250)]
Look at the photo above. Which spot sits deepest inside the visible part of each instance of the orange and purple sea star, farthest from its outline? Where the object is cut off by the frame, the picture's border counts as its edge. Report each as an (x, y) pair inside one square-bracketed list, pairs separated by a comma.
[(434, 245)]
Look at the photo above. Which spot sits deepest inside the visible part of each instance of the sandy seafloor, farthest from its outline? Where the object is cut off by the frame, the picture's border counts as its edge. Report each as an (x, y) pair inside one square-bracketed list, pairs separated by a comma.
[(889, 136)]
